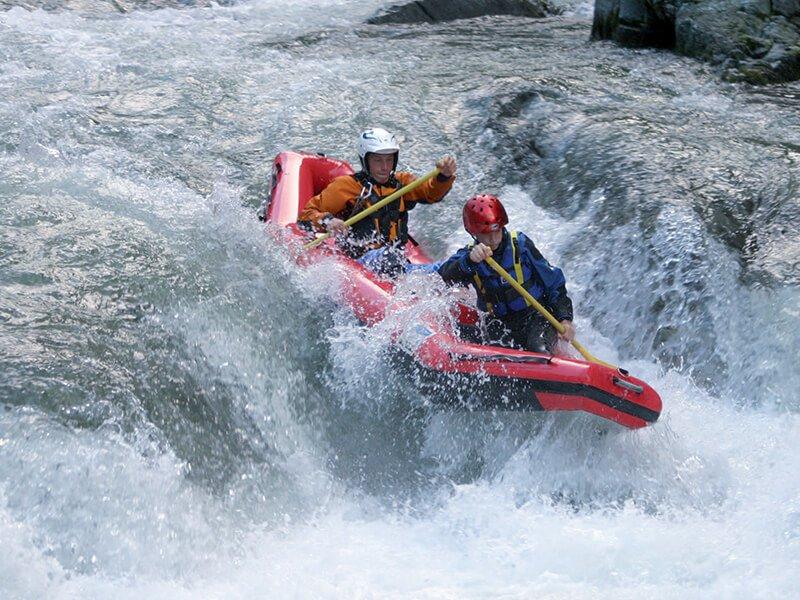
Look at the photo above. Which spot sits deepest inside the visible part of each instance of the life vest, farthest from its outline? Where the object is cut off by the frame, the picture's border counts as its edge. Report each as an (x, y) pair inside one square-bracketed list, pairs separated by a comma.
[(495, 294), (388, 225)]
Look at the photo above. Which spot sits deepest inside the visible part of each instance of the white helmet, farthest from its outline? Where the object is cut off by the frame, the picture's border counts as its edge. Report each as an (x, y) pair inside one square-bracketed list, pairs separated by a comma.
[(378, 141)]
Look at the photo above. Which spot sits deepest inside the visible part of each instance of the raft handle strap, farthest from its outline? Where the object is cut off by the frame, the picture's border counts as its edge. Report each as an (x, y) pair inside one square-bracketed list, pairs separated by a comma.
[(628, 385)]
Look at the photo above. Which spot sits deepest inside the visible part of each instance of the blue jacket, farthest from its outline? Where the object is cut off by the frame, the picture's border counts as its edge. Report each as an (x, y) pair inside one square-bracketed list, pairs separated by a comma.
[(543, 281)]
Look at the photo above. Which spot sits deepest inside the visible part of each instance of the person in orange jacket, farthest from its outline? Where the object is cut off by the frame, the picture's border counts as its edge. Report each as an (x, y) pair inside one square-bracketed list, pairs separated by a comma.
[(376, 241)]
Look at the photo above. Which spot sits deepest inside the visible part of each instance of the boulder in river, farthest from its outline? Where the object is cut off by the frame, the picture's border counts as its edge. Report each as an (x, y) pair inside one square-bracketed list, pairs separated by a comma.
[(437, 11), (757, 41)]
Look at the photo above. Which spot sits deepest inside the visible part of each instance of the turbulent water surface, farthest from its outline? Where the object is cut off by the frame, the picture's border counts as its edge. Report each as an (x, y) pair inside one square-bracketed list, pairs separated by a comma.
[(185, 414)]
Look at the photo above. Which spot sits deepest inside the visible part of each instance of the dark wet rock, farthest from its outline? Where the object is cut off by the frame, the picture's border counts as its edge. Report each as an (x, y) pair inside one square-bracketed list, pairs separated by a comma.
[(752, 43), (757, 41), (787, 8), (635, 23), (437, 11)]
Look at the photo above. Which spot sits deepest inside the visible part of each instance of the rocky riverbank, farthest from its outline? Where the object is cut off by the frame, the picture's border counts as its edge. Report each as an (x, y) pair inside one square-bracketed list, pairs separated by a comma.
[(438, 11), (757, 41)]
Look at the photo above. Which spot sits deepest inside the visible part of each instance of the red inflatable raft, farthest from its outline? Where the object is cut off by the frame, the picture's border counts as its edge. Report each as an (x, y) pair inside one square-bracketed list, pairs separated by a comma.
[(457, 372)]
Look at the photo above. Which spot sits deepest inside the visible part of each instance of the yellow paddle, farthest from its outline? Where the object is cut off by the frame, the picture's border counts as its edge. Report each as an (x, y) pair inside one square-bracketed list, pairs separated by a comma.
[(545, 313), (377, 206)]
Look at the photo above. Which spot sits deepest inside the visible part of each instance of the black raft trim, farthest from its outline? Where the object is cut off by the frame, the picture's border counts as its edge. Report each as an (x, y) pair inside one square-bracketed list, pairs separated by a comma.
[(598, 395), (482, 391)]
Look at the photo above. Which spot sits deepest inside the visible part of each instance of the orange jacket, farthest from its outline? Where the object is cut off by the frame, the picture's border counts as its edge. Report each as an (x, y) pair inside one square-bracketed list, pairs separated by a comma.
[(389, 224)]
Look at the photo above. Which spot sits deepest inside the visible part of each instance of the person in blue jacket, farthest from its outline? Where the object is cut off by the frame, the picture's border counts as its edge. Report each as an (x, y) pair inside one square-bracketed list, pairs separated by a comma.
[(511, 321)]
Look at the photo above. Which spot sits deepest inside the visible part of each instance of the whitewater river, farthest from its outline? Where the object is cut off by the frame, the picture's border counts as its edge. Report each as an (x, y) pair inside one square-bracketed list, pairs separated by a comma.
[(185, 414)]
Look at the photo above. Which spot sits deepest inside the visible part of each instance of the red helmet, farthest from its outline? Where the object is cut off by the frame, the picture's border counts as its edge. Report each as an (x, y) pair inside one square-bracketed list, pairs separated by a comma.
[(484, 213)]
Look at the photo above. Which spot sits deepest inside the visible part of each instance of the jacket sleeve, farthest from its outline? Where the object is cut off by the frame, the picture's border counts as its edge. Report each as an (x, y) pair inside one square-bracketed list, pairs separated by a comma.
[(431, 191), (331, 201), (554, 282), (458, 269)]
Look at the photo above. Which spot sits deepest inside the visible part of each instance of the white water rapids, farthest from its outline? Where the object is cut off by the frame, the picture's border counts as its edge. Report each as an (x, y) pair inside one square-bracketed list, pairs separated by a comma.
[(185, 414)]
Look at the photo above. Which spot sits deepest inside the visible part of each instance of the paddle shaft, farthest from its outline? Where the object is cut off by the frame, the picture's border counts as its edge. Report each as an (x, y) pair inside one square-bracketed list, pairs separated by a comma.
[(377, 206), (544, 312)]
